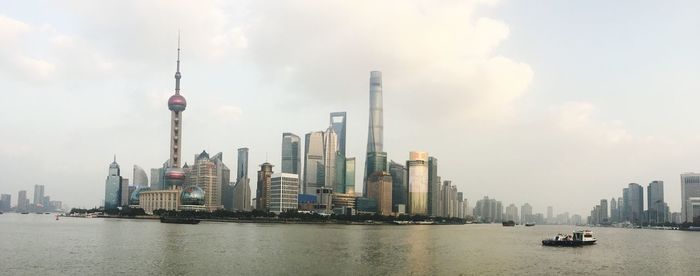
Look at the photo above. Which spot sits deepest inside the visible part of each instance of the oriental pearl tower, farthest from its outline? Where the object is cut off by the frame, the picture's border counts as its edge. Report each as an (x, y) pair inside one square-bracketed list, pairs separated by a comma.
[(174, 175)]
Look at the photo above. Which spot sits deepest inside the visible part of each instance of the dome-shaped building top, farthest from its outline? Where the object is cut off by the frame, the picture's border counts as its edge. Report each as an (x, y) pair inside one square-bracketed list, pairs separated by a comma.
[(192, 195), (134, 198), (177, 103)]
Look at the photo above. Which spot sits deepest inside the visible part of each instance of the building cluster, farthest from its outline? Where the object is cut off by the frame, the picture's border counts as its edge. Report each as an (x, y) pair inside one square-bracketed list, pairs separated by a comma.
[(40, 203), (489, 210), (317, 176), (630, 208)]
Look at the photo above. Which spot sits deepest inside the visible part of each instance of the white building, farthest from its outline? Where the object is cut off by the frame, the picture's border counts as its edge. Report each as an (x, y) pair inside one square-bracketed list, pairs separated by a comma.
[(690, 187), (284, 192)]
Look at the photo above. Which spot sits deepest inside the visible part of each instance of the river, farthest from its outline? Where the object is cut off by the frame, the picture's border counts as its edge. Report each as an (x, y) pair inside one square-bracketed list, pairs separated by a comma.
[(36, 244)]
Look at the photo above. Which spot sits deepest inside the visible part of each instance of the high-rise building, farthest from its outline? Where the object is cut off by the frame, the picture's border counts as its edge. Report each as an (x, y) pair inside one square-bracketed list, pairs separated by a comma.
[(339, 123), (462, 205), (291, 153), (242, 168), (656, 207), (399, 187), (38, 196), (634, 205), (526, 213), (375, 162), (330, 149), (446, 195), (379, 188), (113, 187), (488, 210), (157, 175), (690, 188), (313, 162), (174, 176), (5, 202), (603, 215), (433, 187), (140, 178), (204, 174), (223, 180), (262, 198), (375, 135), (512, 213), (284, 192), (22, 201), (349, 175), (417, 167), (614, 212), (125, 192)]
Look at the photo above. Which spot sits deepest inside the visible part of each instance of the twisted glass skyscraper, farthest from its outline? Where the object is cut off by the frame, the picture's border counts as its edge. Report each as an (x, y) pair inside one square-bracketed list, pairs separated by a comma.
[(376, 158)]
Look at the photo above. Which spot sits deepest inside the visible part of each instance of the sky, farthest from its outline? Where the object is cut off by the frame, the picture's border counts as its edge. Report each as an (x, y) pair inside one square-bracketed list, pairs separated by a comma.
[(554, 103)]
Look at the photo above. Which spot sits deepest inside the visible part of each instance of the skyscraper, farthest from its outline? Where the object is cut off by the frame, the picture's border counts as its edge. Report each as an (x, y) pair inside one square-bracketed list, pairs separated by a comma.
[(512, 213), (690, 188), (603, 215), (313, 162), (417, 166), (140, 179), (284, 192), (174, 175), (223, 179), (399, 187), (614, 212), (433, 187), (113, 187), (375, 135), (350, 175), (446, 195), (157, 178), (526, 213), (241, 189), (242, 168), (379, 188), (125, 192), (263, 189), (38, 196), (656, 209), (635, 203), (330, 149), (339, 123), (291, 151), (204, 174), (5, 202), (22, 201)]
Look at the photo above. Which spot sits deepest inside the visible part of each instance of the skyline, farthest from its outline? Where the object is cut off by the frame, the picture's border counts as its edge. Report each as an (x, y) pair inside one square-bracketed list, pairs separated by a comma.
[(486, 146)]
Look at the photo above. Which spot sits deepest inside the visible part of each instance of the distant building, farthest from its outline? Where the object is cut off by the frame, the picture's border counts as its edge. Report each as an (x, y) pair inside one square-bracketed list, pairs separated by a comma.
[(284, 192), (634, 205), (462, 205), (125, 192), (690, 187), (433, 187), (379, 188), (512, 213), (242, 167), (22, 201), (113, 187), (526, 213), (417, 167), (399, 187), (338, 121), (376, 157), (656, 207), (330, 150), (489, 210), (241, 190), (140, 178), (263, 188), (167, 200), (693, 209), (376, 162), (446, 210), (291, 153), (613, 211), (5, 202), (349, 175), (313, 162), (156, 178), (205, 176), (38, 196), (576, 220), (550, 214), (603, 212)]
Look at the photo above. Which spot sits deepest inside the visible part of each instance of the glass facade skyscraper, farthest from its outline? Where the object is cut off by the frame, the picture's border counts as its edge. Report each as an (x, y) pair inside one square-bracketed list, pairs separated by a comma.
[(339, 123), (113, 187), (656, 207), (417, 167), (291, 153), (140, 177), (434, 187), (399, 188), (634, 204), (690, 188), (350, 175), (242, 168), (313, 162), (375, 136)]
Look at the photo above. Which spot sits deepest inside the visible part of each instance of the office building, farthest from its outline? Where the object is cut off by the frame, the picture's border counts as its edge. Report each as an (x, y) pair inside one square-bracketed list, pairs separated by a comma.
[(38, 196), (634, 204), (375, 133), (125, 192), (433, 187), (656, 206), (262, 192), (690, 187), (291, 153), (242, 167), (313, 162), (446, 209), (330, 149), (284, 191), (399, 187), (349, 175), (614, 212), (5, 202), (489, 210), (204, 175), (379, 188), (603, 214), (512, 213), (113, 187), (338, 121), (526, 213), (417, 167), (157, 175), (22, 201), (241, 190)]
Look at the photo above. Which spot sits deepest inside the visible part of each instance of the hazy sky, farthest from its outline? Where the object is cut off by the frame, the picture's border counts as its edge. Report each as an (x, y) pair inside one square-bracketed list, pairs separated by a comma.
[(549, 102)]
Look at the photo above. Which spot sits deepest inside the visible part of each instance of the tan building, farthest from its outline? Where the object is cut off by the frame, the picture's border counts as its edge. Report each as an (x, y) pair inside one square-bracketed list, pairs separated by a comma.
[(160, 199), (204, 174), (263, 189), (379, 189)]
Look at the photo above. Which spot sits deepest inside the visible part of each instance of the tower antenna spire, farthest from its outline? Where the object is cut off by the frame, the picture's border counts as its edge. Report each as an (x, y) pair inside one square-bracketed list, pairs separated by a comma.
[(177, 72), (115, 158)]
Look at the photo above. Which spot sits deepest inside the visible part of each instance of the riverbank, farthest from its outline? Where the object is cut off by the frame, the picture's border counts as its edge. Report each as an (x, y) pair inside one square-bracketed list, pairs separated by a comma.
[(280, 221)]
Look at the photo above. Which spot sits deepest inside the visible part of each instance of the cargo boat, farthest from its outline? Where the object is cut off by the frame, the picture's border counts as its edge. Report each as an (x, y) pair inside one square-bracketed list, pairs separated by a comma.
[(508, 223)]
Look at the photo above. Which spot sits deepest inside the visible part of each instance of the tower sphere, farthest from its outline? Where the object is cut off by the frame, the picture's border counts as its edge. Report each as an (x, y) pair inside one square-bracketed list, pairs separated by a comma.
[(174, 177), (192, 195), (177, 103)]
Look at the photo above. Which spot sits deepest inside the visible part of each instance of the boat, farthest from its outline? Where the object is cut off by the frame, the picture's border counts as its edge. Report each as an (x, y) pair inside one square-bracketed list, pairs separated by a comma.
[(577, 238), (179, 220), (1, 213), (24, 213), (530, 224), (508, 223)]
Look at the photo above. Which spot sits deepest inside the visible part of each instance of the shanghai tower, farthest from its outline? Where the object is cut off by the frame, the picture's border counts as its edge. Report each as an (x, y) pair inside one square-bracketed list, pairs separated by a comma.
[(376, 157)]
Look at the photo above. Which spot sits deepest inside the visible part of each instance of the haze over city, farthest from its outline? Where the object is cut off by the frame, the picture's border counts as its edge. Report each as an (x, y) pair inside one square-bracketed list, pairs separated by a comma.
[(558, 105)]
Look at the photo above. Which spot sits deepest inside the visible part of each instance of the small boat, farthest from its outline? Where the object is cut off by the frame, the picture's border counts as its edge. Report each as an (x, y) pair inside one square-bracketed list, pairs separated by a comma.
[(530, 224), (577, 238), (179, 220), (508, 223), (24, 213)]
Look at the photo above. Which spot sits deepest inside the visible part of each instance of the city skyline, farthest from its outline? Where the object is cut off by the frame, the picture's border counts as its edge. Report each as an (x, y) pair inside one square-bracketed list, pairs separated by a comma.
[(472, 147)]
